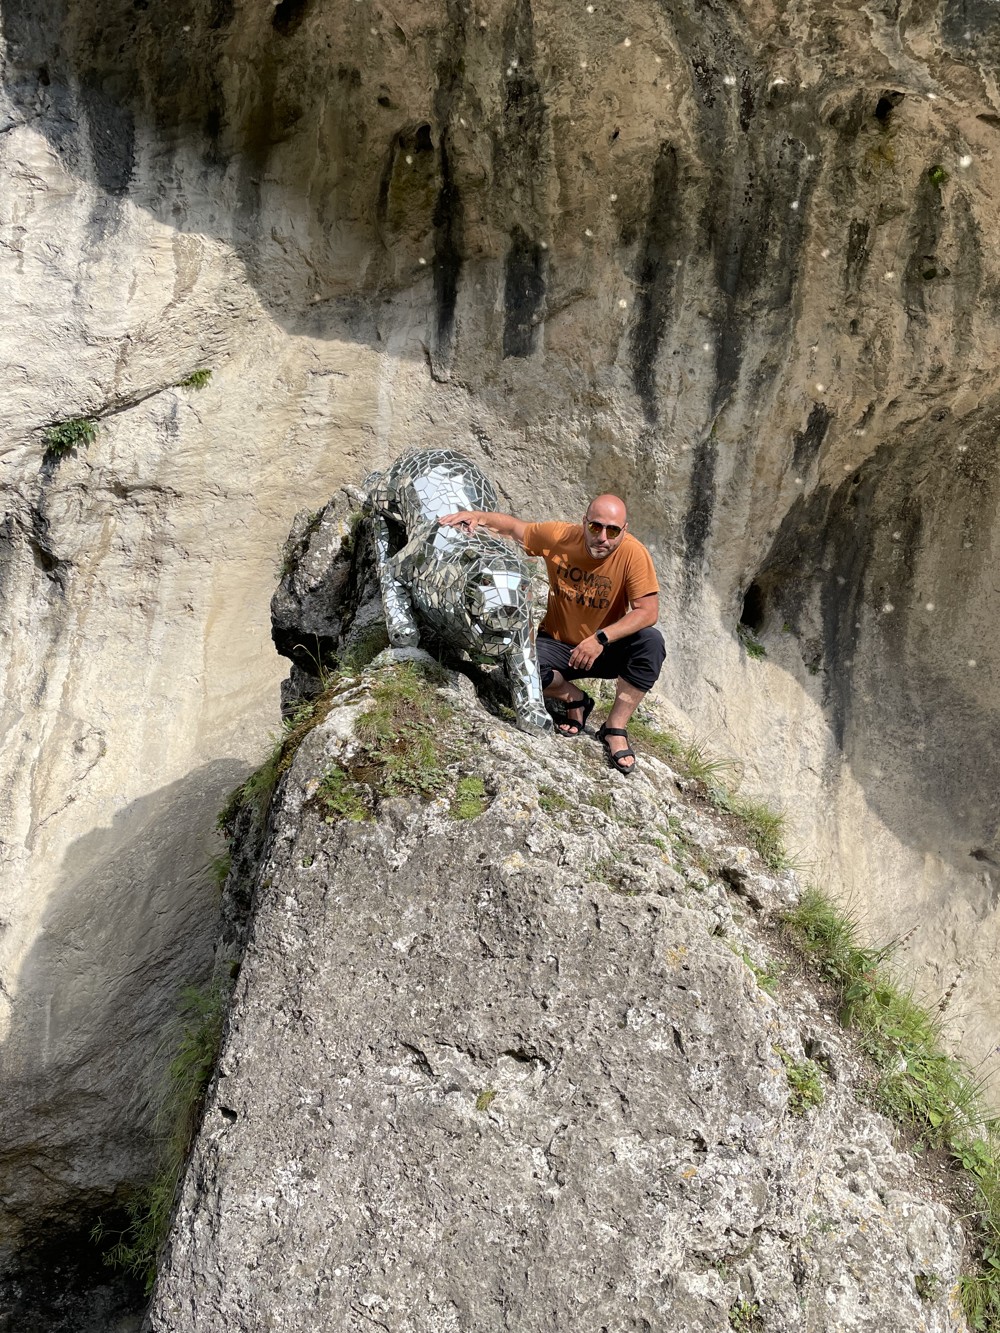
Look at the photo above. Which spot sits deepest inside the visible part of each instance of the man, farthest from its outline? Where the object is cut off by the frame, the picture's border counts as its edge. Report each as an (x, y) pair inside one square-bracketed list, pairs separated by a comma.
[(603, 606)]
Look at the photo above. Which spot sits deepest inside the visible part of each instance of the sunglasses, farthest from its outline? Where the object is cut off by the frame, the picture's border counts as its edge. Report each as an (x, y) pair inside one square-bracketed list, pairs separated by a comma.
[(612, 529)]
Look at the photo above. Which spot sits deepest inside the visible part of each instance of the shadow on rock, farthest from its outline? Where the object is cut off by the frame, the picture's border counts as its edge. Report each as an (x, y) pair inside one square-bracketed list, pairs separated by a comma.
[(133, 921)]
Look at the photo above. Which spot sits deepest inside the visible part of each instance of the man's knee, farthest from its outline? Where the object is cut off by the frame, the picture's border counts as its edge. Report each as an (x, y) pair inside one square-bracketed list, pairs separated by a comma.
[(645, 659), (652, 639)]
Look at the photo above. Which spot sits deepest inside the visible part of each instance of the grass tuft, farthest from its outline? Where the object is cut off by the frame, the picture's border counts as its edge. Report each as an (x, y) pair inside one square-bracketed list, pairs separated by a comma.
[(404, 750), (470, 798), (259, 787), (220, 867), (763, 826), (551, 801), (485, 1099), (137, 1247), (919, 1084)]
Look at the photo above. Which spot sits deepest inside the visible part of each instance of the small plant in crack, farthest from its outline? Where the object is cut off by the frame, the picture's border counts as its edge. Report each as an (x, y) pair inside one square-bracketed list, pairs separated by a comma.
[(749, 640), (65, 436), (805, 1083), (745, 1317), (196, 380)]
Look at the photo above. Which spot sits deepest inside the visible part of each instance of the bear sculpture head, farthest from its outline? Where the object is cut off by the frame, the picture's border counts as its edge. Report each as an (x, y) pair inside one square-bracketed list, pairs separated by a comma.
[(497, 599)]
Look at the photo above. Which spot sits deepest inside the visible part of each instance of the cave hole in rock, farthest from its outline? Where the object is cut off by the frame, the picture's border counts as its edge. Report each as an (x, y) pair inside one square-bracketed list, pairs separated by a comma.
[(288, 15), (423, 142), (754, 608), (885, 105)]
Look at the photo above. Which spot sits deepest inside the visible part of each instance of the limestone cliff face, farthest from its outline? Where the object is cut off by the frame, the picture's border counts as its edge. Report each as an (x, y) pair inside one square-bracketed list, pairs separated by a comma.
[(738, 262)]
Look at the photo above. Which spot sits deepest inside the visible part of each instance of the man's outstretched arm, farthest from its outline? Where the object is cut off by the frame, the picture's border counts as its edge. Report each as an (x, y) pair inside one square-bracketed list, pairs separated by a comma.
[(504, 525)]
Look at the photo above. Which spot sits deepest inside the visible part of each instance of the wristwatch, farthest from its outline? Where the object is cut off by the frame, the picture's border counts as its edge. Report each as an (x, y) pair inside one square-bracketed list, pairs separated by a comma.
[(601, 638)]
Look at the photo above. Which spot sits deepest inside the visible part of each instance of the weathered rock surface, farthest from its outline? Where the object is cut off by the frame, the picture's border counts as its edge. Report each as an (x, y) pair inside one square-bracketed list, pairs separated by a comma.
[(738, 261), (515, 1072)]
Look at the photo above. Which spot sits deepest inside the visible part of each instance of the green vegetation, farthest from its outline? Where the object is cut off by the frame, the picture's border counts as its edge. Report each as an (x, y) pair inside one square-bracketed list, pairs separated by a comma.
[(552, 802), (937, 175), (805, 1083), (470, 798), (365, 648), (485, 1099), (259, 787), (196, 380), (137, 1248), (687, 755), (750, 642), (922, 1087), (66, 435), (341, 798), (403, 734), (601, 800), (928, 1285), (764, 827), (744, 1317), (767, 976), (221, 866)]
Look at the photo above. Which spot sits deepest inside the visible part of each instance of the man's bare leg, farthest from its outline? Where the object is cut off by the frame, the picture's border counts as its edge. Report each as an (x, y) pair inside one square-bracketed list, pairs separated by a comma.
[(627, 699), (569, 693)]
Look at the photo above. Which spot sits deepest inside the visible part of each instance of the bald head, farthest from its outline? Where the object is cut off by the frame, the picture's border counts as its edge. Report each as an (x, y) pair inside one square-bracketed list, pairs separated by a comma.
[(604, 525), (612, 510)]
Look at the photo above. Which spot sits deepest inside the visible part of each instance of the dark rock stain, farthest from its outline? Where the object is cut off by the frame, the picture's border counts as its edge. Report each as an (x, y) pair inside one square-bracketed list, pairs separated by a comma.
[(655, 276), (63, 1282), (746, 101), (524, 294), (808, 442), (925, 232), (968, 275), (520, 173), (858, 255), (518, 148), (111, 131), (447, 220), (449, 211), (698, 516)]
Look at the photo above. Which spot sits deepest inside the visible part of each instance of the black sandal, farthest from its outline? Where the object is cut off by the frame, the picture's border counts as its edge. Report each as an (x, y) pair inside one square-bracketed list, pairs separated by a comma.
[(587, 704), (615, 756)]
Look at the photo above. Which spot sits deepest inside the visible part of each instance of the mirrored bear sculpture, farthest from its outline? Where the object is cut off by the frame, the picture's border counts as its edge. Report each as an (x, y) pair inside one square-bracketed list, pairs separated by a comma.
[(470, 590)]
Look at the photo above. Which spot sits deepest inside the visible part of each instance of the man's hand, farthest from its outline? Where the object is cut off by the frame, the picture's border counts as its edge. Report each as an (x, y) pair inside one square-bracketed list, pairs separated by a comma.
[(465, 518), (585, 654), (504, 525)]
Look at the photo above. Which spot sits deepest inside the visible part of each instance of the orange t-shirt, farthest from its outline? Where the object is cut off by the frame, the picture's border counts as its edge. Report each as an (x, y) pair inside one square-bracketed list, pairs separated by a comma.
[(585, 593)]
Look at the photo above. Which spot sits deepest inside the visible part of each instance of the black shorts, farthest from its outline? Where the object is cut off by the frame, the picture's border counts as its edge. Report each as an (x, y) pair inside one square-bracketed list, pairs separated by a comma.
[(637, 659)]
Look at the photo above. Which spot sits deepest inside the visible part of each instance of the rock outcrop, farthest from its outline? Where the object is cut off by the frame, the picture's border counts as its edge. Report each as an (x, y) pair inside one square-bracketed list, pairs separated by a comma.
[(737, 261), (516, 1070)]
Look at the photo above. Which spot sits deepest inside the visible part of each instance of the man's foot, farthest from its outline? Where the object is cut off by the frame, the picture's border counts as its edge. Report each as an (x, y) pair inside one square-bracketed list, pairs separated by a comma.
[(577, 713), (616, 747)]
